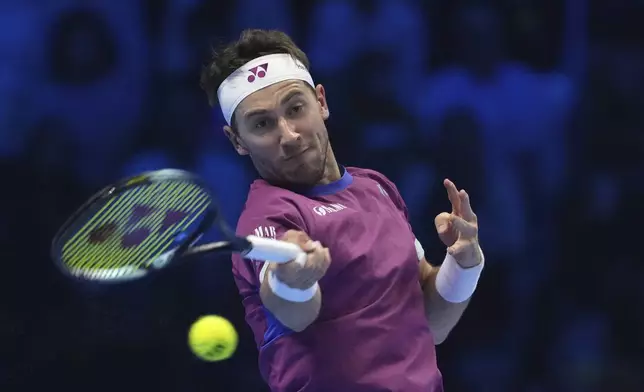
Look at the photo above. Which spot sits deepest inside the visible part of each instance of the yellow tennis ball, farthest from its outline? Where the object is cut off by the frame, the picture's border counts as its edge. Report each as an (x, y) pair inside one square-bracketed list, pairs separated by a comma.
[(212, 338)]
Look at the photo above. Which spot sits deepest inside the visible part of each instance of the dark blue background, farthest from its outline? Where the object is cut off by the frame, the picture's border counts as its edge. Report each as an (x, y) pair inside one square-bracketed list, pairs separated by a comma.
[(534, 107)]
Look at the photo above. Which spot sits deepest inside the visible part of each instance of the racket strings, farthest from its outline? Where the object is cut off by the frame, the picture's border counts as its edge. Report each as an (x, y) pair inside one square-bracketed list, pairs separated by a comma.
[(116, 208), (198, 205), (119, 255), (132, 228), (135, 255)]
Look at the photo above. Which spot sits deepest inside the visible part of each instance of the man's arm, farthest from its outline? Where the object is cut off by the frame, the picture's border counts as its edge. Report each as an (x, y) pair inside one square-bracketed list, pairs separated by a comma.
[(449, 287), (441, 314), (296, 316), (295, 313)]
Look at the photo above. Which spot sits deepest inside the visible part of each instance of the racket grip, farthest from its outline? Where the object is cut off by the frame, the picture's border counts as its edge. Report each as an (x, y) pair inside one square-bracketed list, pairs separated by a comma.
[(274, 251)]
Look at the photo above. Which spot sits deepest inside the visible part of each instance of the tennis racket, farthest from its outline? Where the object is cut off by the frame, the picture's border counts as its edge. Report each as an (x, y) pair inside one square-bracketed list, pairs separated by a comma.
[(148, 222)]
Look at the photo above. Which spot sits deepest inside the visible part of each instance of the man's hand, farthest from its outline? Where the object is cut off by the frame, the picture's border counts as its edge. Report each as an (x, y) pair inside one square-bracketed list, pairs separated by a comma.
[(296, 315), (459, 230), (317, 262)]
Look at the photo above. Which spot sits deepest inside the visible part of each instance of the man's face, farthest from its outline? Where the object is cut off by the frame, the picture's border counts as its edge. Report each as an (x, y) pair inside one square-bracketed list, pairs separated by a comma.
[(282, 128)]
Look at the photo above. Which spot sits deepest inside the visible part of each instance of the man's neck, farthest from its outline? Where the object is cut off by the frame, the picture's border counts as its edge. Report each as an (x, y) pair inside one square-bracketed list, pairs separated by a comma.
[(332, 170)]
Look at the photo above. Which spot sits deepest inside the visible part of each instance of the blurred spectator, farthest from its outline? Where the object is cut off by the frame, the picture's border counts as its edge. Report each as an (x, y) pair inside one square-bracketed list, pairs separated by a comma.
[(335, 36), (262, 14), (398, 29), (486, 83), (82, 50), (97, 82), (20, 73), (334, 40)]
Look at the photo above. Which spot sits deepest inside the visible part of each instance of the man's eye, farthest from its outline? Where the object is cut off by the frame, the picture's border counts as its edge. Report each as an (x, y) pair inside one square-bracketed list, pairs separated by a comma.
[(297, 108), (261, 124)]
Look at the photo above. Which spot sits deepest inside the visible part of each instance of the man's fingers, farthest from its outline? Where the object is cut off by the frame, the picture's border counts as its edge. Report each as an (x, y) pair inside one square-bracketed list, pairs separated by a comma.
[(296, 237), (466, 207), (446, 222), (317, 262), (319, 255), (316, 265), (466, 229), (324, 262), (452, 194), (311, 246), (455, 249), (301, 239), (322, 255), (444, 228), (442, 222)]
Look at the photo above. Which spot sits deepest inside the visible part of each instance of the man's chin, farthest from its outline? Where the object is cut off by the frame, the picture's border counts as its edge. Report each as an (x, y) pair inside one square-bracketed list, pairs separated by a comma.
[(305, 176)]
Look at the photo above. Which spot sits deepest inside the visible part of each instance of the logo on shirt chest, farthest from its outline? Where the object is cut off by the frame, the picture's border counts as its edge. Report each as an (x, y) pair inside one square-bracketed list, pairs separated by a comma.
[(328, 209)]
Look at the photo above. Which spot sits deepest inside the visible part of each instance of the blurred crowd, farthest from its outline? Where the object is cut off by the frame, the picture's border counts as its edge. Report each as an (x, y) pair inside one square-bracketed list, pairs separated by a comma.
[(534, 107)]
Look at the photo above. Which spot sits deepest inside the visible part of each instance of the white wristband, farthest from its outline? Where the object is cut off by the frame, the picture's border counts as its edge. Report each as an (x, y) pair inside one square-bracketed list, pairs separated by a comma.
[(420, 251), (455, 283), (288, 293)]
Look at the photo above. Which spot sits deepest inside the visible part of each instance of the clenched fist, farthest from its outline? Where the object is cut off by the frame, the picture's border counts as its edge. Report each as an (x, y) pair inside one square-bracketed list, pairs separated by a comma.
[(304, 276)]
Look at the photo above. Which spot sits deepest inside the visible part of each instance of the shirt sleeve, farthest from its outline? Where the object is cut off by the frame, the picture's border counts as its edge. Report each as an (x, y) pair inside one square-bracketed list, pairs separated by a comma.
[(391, 189), (268, 223)]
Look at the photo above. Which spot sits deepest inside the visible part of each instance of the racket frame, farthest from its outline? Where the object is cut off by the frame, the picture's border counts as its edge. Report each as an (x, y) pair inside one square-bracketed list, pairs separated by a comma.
[(145, 179), (251, 247)]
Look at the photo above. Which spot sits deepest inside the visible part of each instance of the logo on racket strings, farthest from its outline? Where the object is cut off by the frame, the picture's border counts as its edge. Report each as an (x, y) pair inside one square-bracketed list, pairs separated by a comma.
[(143, 221), (136, 226)]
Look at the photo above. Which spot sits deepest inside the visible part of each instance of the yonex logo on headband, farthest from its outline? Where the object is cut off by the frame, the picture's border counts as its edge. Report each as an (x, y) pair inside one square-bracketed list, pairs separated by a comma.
[(259, 71), (241, 84)]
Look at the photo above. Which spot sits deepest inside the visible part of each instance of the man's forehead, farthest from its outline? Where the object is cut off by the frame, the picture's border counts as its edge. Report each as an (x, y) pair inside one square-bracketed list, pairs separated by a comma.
[(271, 96)]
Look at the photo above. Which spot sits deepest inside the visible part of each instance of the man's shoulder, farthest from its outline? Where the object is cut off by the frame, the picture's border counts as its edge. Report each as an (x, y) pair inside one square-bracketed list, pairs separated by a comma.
[(266, 196), (361, 172), (372, 175), (265, 200), (384, 184)]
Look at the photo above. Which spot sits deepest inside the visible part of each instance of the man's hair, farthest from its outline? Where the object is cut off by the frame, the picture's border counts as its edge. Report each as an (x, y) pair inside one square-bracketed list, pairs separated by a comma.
[(252, 43)]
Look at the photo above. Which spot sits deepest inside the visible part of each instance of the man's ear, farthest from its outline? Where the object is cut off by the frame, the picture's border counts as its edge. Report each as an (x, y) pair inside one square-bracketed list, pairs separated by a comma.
[(320, 95), (236, 141)]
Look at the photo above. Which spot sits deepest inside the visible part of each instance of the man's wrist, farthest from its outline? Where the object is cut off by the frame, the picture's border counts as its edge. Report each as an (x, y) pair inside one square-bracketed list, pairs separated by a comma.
[(455, 283), (471, 260), (288, 293)]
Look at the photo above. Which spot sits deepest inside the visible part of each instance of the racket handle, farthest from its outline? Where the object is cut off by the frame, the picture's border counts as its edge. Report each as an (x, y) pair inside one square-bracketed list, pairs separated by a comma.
[(274, 251)]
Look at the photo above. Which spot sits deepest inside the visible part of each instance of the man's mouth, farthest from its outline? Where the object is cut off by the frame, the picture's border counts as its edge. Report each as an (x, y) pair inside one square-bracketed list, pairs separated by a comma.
[(290, 157)]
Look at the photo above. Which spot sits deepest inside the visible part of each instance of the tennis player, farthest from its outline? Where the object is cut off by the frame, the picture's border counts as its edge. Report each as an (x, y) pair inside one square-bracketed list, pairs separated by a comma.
[(366, 309)]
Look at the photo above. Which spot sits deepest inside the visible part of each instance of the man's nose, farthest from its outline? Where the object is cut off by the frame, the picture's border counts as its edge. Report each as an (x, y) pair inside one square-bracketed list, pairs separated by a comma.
[(289, 135)]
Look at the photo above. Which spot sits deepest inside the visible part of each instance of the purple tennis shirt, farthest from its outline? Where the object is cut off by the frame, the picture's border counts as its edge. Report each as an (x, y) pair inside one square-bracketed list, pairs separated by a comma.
[(371, 334)]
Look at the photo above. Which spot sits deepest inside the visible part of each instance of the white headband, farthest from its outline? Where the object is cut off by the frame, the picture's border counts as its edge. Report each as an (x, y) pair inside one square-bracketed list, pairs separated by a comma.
[(256, 75)]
